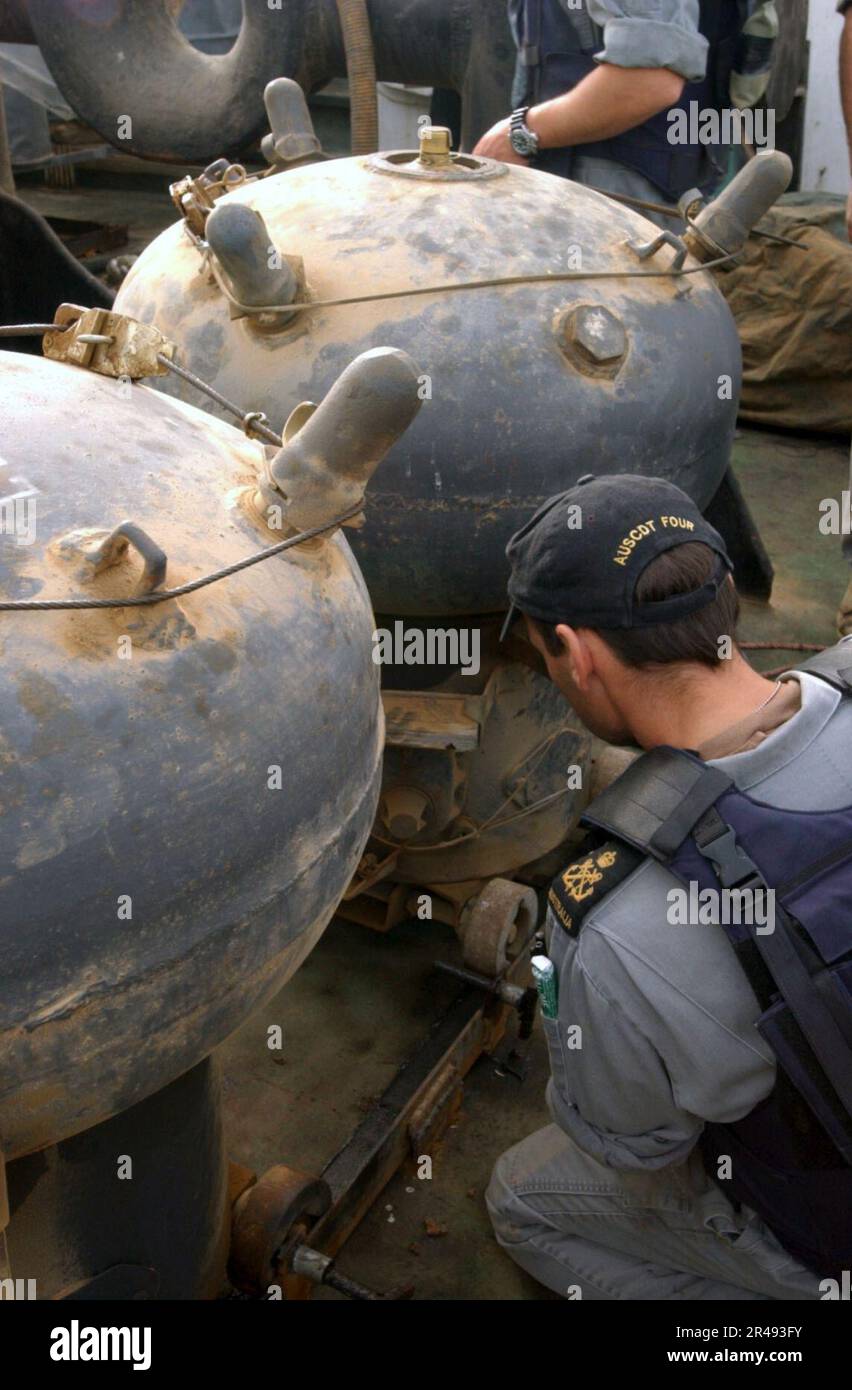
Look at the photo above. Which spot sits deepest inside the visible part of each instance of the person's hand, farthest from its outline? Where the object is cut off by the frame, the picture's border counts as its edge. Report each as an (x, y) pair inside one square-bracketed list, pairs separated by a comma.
[(848, 216), (495, 144)]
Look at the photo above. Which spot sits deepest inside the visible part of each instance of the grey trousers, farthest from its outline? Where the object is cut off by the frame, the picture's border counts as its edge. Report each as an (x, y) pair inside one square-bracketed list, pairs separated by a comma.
[(608, 176), (591, 1232)]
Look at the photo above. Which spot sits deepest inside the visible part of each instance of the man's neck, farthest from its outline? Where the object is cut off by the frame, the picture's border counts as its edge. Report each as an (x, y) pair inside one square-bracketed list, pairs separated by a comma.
[(691, 706)]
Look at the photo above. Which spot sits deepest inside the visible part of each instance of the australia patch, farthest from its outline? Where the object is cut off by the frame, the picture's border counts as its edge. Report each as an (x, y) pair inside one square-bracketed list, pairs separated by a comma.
[(577, 889)]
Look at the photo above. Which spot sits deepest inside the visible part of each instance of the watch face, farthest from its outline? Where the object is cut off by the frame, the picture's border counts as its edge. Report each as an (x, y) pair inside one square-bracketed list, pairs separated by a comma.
[(521, 143)]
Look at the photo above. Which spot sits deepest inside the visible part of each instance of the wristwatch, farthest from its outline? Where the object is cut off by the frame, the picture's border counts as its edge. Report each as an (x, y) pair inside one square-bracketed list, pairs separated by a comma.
[(523, 141)]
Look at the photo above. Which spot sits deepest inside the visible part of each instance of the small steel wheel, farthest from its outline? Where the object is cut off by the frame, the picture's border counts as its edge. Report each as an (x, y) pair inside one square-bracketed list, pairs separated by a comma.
[(496, 925), (282, 1205)]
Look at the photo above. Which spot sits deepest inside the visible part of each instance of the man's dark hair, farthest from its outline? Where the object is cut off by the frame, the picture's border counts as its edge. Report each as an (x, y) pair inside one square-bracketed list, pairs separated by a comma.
[(695, 638)]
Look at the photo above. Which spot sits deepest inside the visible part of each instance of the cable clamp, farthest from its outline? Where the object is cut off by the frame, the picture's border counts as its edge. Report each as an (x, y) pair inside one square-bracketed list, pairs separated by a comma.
[(108, 343), (252, 420)]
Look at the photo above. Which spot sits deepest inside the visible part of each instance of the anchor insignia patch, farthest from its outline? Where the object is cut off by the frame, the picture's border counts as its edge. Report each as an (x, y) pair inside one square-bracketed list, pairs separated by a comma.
[(587, 880)]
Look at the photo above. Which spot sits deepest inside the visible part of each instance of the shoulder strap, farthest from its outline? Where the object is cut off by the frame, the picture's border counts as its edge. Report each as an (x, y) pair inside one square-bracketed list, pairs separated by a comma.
[(657, 801), (834, 665), (649, 810), (589, 34), (667, 795)]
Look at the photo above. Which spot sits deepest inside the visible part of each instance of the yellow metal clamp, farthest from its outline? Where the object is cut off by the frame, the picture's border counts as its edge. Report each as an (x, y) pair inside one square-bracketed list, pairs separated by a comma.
[(107, 343)]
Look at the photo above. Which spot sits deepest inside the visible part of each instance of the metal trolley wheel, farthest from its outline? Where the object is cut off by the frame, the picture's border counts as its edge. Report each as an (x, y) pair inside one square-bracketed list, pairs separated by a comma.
[(278, 1209), (497, 924)]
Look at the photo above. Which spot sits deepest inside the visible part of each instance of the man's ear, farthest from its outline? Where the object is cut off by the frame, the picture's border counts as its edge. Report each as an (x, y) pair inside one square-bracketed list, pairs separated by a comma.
[(580, 663)]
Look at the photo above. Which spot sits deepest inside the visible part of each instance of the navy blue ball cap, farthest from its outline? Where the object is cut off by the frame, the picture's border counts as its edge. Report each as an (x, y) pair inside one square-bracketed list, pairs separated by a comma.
[(579, 556)]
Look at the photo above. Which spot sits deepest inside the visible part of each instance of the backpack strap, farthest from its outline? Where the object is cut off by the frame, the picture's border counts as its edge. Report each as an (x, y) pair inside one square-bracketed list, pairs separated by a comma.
[(589, 34), (656, 802), (668, 795), (648, 810), (834, 665)]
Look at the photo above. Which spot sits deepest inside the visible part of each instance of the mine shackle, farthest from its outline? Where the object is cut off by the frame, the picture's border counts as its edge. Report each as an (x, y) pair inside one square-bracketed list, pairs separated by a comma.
[(723, 225), (326, 462), (292, 136), (114, 546), (259, 274)]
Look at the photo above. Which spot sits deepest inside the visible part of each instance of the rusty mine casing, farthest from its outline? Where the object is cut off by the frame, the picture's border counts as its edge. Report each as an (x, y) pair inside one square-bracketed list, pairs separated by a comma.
[(526, 386), (158, 878)]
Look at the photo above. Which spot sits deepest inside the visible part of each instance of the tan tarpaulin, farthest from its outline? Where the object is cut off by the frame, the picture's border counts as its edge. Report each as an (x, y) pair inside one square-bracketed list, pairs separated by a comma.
[(794, 314)]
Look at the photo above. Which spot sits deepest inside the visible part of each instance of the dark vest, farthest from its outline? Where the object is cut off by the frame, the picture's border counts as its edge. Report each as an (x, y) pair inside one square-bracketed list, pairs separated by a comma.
[(790, 1157), (556, 48)]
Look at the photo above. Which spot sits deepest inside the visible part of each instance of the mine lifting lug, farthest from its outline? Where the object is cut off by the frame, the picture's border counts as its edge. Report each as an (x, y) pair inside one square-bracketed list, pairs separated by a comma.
[(666, 238), (107, 343), (102, 550)]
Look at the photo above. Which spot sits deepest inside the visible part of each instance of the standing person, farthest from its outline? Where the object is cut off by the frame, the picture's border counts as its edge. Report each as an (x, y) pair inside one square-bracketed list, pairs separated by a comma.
[(597, 80), (700, 1146)]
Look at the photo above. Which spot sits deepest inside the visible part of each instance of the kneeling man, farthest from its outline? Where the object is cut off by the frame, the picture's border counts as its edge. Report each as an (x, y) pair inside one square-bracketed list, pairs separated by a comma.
[(701, 1043)]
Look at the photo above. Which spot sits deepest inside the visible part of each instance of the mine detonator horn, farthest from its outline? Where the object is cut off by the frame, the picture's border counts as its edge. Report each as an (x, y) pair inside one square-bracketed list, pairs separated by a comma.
[(722, 226), (330, 451), (258, 272), (292, 137)]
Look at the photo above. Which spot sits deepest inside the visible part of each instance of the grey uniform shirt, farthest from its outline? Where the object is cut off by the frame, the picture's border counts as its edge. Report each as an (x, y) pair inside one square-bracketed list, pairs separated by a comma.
[(667, 1018), (651, 34), (637, 34)]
